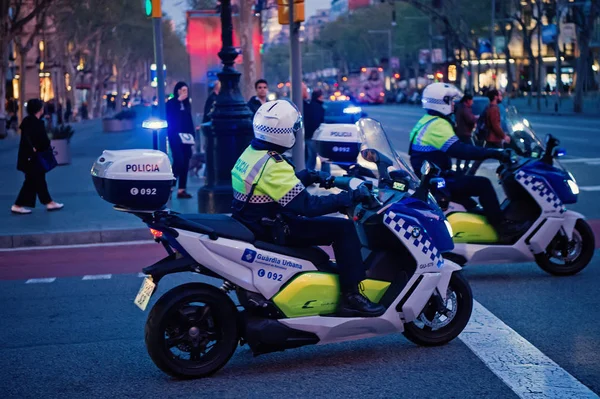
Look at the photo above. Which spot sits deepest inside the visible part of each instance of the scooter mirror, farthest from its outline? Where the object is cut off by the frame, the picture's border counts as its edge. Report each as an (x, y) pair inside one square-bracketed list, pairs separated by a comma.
[(425, 168)]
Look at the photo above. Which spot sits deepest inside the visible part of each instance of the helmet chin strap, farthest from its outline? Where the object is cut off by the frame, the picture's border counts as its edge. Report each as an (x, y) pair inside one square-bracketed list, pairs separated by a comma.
[(262, 145)]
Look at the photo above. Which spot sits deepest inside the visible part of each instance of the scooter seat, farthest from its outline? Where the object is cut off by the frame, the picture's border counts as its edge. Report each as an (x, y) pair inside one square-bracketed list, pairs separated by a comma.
[(315, 255), (223, 225)]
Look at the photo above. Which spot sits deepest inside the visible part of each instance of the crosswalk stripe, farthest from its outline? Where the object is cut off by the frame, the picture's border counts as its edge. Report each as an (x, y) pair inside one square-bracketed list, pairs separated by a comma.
[(523, 367), (40, 280), (97, 277)]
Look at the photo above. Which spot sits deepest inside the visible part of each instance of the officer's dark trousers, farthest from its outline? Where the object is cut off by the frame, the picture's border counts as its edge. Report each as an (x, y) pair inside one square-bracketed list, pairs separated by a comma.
[(181, 165), (463, 187), (339, 233)]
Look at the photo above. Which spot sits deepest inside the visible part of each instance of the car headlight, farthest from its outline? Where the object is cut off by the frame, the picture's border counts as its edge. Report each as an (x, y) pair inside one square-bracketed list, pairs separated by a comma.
[(573, 186), (352, 110), (449, 228)]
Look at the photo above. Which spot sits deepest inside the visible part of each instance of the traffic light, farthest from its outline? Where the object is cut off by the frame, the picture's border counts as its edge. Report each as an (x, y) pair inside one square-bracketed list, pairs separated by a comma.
[(283, 11), (152, 8)]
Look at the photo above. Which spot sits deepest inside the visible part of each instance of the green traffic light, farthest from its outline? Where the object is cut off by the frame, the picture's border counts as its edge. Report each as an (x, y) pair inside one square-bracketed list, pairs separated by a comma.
[(148, 8)]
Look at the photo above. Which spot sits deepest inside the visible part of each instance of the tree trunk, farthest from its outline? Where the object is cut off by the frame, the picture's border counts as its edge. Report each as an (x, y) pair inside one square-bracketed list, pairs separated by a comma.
[(509, 75), (3, 70), (22, 81), (540, 61), (95, 72), (72, 80), (119, 81), (582, 68), (249, 73)]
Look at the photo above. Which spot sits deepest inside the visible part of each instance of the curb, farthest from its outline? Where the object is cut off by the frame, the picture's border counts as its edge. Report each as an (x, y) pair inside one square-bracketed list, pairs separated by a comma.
[(74, 238)]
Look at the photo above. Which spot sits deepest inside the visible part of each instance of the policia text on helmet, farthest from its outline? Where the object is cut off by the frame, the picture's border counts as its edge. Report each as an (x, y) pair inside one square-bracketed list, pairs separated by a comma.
[(271, 199)]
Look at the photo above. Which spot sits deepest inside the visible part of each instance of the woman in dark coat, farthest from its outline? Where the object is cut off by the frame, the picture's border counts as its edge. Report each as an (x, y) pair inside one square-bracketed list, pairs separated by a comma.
[(33, 138), (179, 118)]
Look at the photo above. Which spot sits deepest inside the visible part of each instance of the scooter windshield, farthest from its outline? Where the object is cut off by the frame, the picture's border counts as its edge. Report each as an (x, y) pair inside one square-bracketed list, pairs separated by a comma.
[(523, 139), (376, 148)]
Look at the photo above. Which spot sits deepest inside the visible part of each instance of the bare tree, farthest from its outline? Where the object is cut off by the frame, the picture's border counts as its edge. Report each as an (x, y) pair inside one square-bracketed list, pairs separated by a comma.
[(584, 17), (14, 15), (247, 23)]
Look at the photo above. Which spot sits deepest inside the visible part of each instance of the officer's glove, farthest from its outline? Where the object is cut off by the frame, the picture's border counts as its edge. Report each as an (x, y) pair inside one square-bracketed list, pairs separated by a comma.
[(501, 155), (361, 194), (323, 178)]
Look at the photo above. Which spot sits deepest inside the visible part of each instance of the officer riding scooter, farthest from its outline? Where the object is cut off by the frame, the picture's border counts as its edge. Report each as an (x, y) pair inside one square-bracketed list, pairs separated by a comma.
[(433, 139)]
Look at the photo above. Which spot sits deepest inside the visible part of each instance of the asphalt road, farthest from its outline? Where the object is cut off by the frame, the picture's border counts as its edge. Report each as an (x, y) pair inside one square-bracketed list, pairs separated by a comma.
[(78, 334)]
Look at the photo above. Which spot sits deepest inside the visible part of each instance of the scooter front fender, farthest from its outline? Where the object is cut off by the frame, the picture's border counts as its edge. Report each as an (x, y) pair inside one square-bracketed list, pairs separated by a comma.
[(446, 271), (570, 218)]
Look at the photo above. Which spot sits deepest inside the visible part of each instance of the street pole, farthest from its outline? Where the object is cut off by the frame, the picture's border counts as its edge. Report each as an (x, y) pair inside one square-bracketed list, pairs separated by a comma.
[(430, 46), (558, 85), (230, 129), (493, 39), (296, 75), (160, 76)]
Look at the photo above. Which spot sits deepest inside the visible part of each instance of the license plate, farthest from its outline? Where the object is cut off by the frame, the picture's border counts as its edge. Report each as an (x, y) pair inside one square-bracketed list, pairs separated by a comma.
[(143, 296)]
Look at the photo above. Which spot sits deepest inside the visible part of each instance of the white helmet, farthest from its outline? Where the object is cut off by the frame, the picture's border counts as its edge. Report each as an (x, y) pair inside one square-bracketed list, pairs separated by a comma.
[(277, 122), (440, 97)]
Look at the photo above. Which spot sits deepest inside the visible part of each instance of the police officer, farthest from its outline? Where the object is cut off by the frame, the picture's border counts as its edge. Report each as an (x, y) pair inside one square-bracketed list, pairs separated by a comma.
[(433, 139), (271, 199)]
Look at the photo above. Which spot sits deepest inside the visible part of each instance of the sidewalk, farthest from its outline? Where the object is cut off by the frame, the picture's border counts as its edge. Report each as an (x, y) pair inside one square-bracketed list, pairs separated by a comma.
[(86, 217), (591, 106)]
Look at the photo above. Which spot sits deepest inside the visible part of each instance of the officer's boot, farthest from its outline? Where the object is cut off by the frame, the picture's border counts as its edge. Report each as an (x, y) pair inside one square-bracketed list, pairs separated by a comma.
[(355, 304)]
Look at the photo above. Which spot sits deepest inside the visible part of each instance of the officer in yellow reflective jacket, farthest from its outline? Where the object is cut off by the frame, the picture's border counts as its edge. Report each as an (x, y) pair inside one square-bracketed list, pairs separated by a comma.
[(271, 199), (433, 139)]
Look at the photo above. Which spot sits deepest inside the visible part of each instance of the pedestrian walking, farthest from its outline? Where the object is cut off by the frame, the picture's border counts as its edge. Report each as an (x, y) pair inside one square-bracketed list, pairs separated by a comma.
[(262, 90), (181, 135), (33, 140)]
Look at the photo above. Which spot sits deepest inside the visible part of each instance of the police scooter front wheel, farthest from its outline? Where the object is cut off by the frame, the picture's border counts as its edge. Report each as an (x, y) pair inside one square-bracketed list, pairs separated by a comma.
[(564, 257), (192, 331), (442, 321)]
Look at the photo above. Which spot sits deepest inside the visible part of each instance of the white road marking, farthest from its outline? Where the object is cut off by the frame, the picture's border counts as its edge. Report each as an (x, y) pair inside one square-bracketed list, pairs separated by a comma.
[(566, 127), (589, 188), (579, 160), (40, 280), (97, 277), (104, 244), (523, 367)]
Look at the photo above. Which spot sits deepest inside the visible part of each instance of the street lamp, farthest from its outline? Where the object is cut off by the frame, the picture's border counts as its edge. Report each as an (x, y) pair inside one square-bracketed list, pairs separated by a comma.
[(156, 125), (230, 129)]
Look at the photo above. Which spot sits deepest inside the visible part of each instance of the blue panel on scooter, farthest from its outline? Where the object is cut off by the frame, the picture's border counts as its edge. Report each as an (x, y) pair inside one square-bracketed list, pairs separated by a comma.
[(556, 177), (431, 219)]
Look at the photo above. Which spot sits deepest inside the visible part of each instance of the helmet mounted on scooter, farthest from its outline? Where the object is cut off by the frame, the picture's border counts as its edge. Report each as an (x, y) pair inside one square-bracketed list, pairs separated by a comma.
[(440, 97), (277, 122)]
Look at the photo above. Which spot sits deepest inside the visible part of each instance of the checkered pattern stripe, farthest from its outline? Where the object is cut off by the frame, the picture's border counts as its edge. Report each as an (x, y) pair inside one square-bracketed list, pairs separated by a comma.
[(255, 199), (297, 189), (273, 130), (423, 243), (540, 188), (429, 100)]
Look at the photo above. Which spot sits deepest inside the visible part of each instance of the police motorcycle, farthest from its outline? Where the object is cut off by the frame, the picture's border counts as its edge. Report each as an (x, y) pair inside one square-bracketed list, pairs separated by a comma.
[(288, 296), (537, 189)]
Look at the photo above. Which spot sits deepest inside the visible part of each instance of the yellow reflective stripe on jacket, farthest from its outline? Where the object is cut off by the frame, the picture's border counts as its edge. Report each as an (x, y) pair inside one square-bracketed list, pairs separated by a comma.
[(277, 180), (432, 134)]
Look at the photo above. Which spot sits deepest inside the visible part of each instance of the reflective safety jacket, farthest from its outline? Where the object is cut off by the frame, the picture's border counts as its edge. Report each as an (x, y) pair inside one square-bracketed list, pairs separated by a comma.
[(433, 139), (265, 184)]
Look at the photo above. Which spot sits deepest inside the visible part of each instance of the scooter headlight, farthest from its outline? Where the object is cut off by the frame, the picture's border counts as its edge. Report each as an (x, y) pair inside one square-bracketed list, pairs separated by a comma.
[(449, 228), (573, 186)]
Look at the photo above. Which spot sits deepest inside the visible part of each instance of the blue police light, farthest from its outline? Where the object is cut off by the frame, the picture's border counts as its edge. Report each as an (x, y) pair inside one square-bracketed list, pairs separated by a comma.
[(352, 110), (154, 124), (441, 183)]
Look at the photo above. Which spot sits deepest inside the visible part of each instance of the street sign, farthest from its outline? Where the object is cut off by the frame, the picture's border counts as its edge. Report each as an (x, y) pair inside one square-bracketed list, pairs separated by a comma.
[(548, 34)]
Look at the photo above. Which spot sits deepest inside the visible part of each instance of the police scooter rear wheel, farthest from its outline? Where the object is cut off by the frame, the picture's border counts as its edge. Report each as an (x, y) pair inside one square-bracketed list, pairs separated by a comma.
[(564, 257), (192, 331), (436, 326)]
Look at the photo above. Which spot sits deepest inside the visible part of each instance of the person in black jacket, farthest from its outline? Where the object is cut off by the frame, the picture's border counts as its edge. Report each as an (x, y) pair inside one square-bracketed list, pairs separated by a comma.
[(33, 138), (314, 115), (262, 90), (210, 101), (179, 119)]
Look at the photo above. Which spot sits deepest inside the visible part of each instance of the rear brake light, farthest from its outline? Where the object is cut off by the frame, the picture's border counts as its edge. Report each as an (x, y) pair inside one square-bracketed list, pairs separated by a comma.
[(156, 233)]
